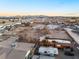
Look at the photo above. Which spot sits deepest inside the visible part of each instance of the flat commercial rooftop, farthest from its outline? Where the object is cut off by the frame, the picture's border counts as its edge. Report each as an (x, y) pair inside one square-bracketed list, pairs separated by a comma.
[(58, 34)]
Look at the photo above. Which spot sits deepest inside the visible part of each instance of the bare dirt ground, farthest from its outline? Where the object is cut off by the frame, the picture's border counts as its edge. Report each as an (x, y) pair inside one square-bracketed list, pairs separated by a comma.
[(27, 34)]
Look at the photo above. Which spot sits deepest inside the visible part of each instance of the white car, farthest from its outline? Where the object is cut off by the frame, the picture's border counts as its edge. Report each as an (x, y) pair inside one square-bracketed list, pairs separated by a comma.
[(48, 51)]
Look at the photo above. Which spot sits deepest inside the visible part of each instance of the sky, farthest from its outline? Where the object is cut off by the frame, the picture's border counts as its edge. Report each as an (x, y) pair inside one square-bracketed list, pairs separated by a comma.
[(39, 7)]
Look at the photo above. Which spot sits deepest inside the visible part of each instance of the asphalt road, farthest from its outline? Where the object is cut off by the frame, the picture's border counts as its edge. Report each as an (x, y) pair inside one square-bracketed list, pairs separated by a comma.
[(7, 52)]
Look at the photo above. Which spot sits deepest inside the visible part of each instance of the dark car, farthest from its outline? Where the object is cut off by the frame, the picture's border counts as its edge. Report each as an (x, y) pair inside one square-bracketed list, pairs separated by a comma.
[(69, 51)]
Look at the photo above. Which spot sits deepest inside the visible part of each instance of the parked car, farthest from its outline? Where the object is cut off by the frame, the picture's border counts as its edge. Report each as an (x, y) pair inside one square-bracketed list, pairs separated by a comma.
[(69, 51), (13, 45)]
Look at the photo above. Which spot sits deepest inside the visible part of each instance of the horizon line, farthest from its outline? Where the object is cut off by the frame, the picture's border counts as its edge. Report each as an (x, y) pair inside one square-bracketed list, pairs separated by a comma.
[(37, 14)]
